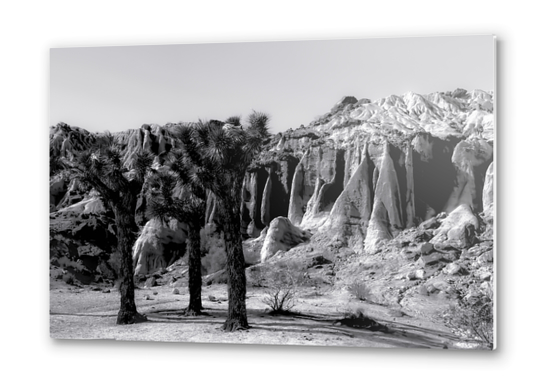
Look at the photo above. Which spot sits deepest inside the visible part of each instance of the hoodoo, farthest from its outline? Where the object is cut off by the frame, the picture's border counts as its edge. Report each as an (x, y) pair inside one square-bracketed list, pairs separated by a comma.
[(359, 174)]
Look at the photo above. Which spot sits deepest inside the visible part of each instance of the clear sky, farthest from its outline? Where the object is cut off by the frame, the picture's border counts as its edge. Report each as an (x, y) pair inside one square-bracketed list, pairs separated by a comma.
[(119, 88)]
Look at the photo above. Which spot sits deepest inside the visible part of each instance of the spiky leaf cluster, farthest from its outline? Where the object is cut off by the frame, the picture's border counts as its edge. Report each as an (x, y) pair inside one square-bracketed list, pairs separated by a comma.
[(169, 197), (101, 167), (216, 155)]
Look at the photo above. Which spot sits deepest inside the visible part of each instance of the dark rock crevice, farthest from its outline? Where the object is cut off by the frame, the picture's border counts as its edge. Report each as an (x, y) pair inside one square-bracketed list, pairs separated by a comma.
[(434, 175), (331, 191)]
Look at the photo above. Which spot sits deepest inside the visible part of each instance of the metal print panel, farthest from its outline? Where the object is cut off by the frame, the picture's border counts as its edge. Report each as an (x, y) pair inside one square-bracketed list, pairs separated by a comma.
[(327, 193)]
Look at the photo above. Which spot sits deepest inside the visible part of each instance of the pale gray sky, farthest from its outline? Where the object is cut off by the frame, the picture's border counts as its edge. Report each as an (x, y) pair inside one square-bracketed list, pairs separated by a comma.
[(119, 88)]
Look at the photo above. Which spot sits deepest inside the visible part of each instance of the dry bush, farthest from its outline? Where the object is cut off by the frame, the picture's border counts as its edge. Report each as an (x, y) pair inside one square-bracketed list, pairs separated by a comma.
[(360, 290), (472, 318), (282, 281), (356, 319), (280, 298)]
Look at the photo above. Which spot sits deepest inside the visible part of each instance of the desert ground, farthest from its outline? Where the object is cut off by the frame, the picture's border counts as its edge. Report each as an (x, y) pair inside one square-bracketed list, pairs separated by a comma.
[(317, 319)]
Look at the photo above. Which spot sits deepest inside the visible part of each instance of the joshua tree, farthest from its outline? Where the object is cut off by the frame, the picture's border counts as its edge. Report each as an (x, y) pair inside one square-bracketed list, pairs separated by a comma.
[(100, 167), (187, 206), (217, 155)]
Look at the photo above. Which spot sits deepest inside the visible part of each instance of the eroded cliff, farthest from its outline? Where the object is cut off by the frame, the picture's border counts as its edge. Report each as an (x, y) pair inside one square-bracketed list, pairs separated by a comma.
[(360, 174)]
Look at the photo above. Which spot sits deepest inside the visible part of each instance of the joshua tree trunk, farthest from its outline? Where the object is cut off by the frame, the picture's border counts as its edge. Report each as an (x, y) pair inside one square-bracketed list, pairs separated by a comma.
[(194, 270), (124, 219), (235, 267)]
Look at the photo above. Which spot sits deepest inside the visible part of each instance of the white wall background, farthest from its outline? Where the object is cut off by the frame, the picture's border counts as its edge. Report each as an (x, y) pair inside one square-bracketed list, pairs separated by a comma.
[(28, 30)]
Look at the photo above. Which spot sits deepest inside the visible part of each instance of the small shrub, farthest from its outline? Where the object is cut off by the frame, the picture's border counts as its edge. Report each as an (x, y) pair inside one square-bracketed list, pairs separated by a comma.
[(472, 317), (356, 319), (280, 298), (282, 281), (360, 290)]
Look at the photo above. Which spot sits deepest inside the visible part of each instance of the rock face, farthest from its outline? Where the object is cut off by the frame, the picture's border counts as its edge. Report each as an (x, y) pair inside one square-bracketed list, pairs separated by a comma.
[(458, 228), (370, 169), (387, 214), (82, 239), (487, 199), (158, 246), (351, 213), (471, 158), (360, 174), (266, 192), (282, 235)]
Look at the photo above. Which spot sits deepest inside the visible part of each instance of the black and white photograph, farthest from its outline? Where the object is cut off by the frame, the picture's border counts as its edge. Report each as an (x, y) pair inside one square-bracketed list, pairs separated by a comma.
[(287, 191), (331, 193)]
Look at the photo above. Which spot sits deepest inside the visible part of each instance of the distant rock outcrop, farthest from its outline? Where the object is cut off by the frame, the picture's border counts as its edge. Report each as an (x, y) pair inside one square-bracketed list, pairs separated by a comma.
[(282, 235), (158, 246), (471, 159), (360, 174), (457, 229), (398, 161)]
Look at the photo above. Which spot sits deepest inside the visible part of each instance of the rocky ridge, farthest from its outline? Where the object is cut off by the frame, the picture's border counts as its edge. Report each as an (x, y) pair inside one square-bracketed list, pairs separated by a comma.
[(406, 180), (368, 170)]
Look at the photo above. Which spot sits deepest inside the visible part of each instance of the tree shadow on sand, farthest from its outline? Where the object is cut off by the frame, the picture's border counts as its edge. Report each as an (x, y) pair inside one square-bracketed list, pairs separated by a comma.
[(392, 334)]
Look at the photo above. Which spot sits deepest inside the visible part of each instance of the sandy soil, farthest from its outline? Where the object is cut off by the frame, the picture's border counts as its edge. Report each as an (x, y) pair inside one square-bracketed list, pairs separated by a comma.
[(83, 313)]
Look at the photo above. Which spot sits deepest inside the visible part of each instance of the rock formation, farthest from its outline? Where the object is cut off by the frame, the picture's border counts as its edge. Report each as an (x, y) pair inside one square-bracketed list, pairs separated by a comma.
[(368, 170), (487, 199), (359, 174), (351, 213), (158, 246), (282, 235), (458, 228), (387, 213)]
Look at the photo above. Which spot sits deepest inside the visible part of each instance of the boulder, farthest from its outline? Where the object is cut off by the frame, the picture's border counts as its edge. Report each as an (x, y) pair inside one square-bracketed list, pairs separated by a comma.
[(316, 260), (484, 273), (453, 269), (426, 248), (458, 229), (441, 285), (159, 245), (430, 288), (282, 235), (431, 259), (418, 274)]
